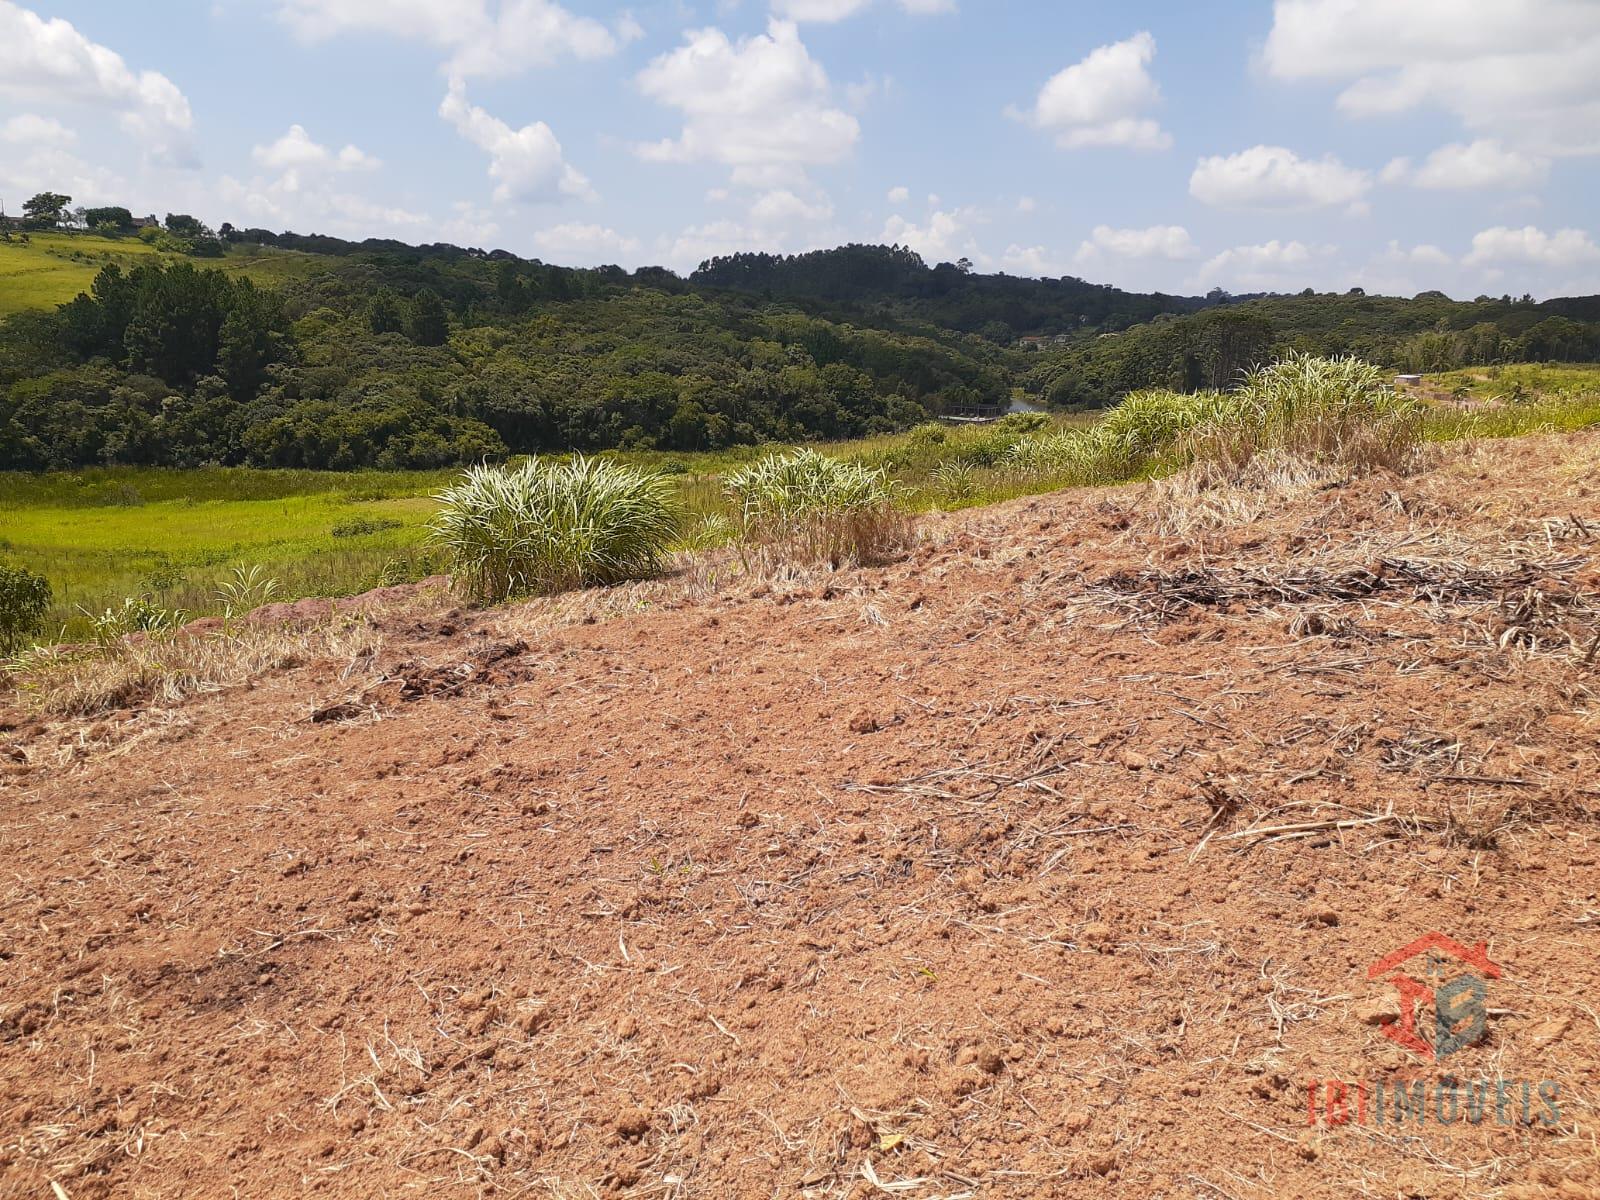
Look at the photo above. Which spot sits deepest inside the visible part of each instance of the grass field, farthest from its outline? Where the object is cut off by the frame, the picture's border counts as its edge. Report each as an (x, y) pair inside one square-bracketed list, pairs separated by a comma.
[(1520, 381), (103, 534), (51, 268)]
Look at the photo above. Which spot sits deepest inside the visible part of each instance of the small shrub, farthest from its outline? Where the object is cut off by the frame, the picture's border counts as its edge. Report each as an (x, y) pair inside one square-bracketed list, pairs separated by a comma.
[(164, 669), (807, 507), (124, 495), (1023, 423), (162, 577), (988, 448), (545, 527), (711, 530), (245, 591), (362, 526), (24, 601), (137, 614), (955, 481), (931, 434), (1151, 423)]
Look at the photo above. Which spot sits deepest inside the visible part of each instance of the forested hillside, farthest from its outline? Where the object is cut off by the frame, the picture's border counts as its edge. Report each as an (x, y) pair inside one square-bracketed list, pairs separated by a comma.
[(1430, 332), (306, 351), (412, 357), (892, 281)]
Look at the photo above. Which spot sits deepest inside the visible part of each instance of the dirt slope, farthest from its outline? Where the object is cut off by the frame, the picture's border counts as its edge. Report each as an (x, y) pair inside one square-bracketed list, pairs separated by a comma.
[(942, 879)]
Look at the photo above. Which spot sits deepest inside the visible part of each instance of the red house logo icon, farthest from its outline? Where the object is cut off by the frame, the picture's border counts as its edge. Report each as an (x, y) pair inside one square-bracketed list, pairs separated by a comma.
[(1460, 1003)]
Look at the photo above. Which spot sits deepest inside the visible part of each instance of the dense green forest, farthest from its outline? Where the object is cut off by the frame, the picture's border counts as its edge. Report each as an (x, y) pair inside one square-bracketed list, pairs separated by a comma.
[(1430, 332), (379, 354), (866, 282)]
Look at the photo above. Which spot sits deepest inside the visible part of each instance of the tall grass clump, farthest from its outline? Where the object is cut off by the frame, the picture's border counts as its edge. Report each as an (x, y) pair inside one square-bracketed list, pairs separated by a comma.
[(1132, 438), (1073, 456), (807, 507), (1339, 411), (547, 527), (1151, 423)]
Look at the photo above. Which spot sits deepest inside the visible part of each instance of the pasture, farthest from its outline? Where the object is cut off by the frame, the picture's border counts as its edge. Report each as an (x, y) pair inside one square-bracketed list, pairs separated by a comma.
[(51, 268)]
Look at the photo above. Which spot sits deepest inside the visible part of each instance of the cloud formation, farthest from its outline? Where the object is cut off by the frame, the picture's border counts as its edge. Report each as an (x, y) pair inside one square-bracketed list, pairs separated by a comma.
[(296, 152), (827, 11), (1476, 166), (1170, 242), (526, 164), (502, 40), (1265, 177), (761, 105), (585, 245), (1524, 71), (1102, 100), (50, 64), (1531, 246)]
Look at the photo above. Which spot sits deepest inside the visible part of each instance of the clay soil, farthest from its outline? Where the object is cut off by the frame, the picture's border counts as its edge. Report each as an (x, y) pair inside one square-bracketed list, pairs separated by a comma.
[(1047, 861)]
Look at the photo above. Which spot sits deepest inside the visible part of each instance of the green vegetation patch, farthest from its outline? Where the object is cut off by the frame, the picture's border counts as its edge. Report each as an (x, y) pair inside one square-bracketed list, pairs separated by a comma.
[(51, 268)]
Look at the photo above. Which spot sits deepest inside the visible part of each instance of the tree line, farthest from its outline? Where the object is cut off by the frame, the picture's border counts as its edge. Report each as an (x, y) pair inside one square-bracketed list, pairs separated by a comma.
[(400, 360), (1211, 349), (379, 353)]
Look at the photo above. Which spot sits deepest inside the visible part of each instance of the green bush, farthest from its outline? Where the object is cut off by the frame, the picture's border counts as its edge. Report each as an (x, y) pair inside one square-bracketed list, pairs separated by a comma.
[(138, 614), (1073, 456), (1024, 422), (24, 601), (956, 481), (1332, 410), (546, 527), (245, 591), (807, 507), (362, 526)]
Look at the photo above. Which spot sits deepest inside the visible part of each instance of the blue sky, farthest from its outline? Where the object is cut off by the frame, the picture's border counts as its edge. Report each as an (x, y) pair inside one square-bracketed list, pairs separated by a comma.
[(1447, 144)]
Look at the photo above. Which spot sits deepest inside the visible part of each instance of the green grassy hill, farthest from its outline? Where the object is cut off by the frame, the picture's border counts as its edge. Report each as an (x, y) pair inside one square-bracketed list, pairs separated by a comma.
[(51, 268)]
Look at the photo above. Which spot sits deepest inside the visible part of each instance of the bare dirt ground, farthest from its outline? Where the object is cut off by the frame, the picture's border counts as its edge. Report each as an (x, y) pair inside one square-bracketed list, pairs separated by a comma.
[(1049, 861)]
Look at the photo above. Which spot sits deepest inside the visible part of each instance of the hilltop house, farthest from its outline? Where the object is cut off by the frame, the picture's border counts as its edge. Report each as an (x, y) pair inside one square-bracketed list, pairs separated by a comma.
[(1040, 341)]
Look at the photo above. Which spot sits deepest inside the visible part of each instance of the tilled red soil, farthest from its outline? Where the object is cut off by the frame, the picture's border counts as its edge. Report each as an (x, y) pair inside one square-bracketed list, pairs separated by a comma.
[(985, 873)]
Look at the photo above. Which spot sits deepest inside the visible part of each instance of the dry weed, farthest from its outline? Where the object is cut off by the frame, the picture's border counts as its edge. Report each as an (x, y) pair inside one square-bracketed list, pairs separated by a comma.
[(1207, 496), (79, 681)]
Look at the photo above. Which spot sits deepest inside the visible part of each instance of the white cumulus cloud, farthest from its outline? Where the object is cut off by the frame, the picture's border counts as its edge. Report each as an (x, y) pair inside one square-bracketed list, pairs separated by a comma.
[(1171, 242), (526, 164), (761, 105), (30, 129), (49, 63), (296, 151), (778, 219), (1531, 246), (944, 237), (1525, 71), (584, 245), (1103, 100), (1268, 266), (481, 39), (1034, 261), (1273, 177), (1473, 166), (824, 11), (1424, 255)]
